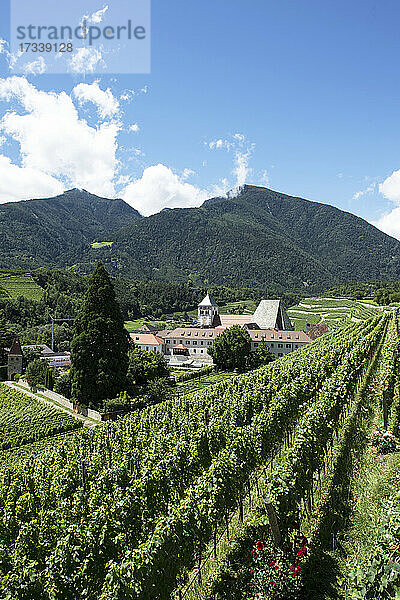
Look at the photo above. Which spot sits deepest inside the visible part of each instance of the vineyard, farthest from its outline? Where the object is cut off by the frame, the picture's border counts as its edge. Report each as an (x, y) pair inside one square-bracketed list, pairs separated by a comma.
[(333, 311), (16, 284), (24, 420), (130, 510)]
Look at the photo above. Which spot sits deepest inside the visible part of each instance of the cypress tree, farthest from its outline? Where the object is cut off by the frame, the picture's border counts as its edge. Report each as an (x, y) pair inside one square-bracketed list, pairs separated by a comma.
[(99, 349)]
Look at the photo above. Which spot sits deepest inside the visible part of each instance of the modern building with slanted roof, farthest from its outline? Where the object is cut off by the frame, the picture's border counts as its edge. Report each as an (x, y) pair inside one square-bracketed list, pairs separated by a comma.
[(269, 314)]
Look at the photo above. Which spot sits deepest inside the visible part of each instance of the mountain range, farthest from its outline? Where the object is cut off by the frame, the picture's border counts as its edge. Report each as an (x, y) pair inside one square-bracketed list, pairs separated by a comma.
[(258, 238)]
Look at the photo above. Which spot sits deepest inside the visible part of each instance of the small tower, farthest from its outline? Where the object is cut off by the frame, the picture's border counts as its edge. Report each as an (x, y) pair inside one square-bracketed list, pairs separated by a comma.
[(15, 358), (207, 312)]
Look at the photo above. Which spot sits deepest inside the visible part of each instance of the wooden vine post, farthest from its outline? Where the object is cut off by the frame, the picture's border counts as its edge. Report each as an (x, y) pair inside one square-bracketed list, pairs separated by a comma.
[(385, 410), (273, 522)]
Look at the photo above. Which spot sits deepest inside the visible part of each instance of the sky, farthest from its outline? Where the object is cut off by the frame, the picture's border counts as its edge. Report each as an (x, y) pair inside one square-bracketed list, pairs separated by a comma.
[(300, 96)]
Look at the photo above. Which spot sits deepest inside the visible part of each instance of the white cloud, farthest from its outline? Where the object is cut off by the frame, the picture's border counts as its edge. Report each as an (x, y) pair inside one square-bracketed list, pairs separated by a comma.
[(36, 67), (128, 95), (187, 173), (135, 127), (264, 179), (3, 46), (158, 188), (21, 183), (216, 144), (86, 60), (369, 190), (220, 189), (242, 169), (243, 151), (97, 17), (390, 188), (390, 223), (239, 136), (55, 141), (106, 103)]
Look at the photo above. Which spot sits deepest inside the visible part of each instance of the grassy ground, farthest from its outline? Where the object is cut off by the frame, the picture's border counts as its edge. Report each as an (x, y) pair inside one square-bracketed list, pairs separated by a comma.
[(131, 325), (97, 245), (300, 323), (376, 482), (242, 307), (14, 284)]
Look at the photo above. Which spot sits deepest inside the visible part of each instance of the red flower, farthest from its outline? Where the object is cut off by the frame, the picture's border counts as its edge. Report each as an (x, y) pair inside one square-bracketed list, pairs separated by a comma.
[(272, 564), (302, 551), (254, 553), (297, 571), (259, 545), (292, 568), (251, 571), (272, 583)]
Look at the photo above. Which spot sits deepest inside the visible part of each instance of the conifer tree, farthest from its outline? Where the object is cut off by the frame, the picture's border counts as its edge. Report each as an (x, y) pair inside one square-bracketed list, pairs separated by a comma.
[(99, 349)]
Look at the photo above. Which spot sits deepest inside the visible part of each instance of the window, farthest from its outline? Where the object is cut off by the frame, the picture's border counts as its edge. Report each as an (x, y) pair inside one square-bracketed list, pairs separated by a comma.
[(288, 345), (202, 351), (280, 345), (194, 342), (255, 344), (201, 342), (280, 354), (194, 349), (272, 345), (168, 341)]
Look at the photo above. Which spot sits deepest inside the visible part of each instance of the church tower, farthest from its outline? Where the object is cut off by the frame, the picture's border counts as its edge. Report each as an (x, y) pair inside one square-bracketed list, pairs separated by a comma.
[(207, 312), (15, 359)]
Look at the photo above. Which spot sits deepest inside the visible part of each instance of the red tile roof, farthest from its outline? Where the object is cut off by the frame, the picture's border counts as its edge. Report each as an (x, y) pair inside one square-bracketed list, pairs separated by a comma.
[(145, 339)]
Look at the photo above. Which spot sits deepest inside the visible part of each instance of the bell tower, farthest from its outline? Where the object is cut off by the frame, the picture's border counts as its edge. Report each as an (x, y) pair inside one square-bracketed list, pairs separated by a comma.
[(207, 312), (15, 359)]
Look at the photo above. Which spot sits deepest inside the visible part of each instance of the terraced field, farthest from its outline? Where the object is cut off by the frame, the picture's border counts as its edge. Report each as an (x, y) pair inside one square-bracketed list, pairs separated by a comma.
[(334, 311), (16, 284)]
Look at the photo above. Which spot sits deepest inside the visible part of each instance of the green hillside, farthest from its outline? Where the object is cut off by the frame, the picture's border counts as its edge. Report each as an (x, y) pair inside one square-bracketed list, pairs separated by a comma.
[(57, 231), (259, 239)]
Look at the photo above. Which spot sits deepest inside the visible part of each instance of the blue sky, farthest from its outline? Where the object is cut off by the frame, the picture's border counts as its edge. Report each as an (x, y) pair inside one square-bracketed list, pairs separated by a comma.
[(299, 95)]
